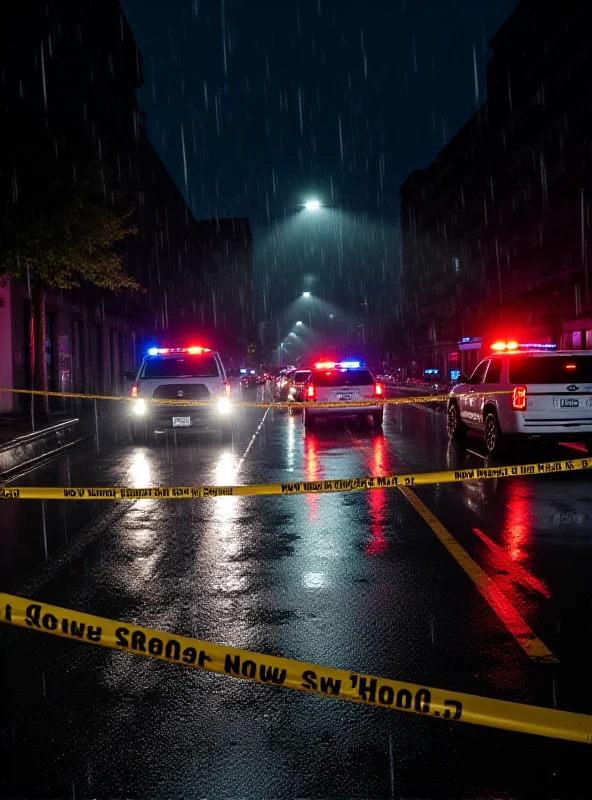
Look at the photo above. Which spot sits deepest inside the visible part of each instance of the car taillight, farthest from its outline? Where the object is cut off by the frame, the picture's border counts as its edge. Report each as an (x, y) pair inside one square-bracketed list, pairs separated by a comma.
[(378, 389), (519, 398), (135, 390), (311, 392), (227, 389)]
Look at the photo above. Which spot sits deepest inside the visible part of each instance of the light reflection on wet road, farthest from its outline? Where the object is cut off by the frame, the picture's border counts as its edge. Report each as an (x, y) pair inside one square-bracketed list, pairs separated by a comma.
[(356, 581)]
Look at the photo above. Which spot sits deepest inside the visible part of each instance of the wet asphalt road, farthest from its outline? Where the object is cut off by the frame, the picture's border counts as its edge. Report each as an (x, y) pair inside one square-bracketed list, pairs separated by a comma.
[(357, 581)]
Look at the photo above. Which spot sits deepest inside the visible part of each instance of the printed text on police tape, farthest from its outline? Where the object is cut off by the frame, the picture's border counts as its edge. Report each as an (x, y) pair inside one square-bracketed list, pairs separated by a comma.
[(292, 674), (297, 487)]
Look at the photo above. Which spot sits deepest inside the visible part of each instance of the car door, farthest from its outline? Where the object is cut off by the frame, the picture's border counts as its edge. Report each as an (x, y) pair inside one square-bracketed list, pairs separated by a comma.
[(472, 401)]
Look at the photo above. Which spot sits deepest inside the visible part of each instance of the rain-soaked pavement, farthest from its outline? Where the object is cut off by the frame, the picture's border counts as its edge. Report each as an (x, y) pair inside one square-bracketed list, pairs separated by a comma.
[(359, 581)]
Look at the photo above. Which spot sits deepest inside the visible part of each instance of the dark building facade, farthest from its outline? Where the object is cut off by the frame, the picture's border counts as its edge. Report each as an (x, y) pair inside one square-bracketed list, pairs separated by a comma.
[(68, 80), (495, 232)]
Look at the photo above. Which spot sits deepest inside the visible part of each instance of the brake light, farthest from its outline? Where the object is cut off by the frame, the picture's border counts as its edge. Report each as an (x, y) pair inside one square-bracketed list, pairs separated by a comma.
[(135, 390), (519, 398), (227, 389), (311, 392), (570, 366), (378, 389)]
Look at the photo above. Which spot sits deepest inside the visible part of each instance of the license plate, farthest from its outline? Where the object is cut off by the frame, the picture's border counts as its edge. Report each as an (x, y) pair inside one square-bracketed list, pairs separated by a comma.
[(567, 402), (181, 422), (345, 396)]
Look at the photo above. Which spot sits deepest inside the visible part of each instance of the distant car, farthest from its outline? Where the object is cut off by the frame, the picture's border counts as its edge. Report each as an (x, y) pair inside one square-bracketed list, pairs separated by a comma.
[(349, 381), (549, 396), (298, 381), (251, 379), (182, 373), (282, 384)]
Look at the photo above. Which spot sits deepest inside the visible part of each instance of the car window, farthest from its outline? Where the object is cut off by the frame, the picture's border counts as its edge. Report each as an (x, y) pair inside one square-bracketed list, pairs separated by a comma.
[(343, 377), (550, 369), (189, 366), (478, 374), (494, 373), (301, 376)]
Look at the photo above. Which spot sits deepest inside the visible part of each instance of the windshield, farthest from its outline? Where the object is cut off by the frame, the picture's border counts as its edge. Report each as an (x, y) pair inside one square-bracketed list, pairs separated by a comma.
[(550, 369), (301, 376), (186, 366), (343, 377)]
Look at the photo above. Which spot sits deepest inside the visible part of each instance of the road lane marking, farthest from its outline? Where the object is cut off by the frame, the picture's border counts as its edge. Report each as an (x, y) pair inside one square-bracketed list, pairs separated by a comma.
[(516, 572), (251, 442), (486, 586)]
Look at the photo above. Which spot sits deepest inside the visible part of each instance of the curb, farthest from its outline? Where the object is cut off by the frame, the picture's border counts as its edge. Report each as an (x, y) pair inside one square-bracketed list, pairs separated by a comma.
[(33, 447)]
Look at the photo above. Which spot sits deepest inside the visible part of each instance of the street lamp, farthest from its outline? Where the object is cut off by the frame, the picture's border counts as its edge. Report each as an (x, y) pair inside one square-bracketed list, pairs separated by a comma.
[(312, 205), (299, 322), (305, 294)]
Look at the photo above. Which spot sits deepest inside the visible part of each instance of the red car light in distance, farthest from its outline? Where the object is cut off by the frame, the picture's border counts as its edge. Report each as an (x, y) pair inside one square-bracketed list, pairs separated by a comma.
[(310, 392), (519, 398), (135, 390), (379, 390)]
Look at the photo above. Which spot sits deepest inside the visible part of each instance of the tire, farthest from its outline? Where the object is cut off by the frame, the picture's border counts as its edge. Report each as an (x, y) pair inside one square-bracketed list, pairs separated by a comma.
[(493, 436), (307, 418), (138, 433), (377, 418), (457, 429)]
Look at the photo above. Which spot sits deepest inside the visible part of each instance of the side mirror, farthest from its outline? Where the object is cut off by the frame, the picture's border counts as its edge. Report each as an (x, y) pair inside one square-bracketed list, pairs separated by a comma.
[(128, 375), (462, 379)]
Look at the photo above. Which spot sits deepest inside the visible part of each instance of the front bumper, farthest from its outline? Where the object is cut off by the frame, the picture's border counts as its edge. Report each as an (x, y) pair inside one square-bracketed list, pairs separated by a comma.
[(155, 417)]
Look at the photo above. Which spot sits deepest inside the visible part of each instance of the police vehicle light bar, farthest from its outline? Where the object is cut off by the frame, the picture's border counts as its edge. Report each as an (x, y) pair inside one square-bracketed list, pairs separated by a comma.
[(512, 346), (160, 351), (338, 364)]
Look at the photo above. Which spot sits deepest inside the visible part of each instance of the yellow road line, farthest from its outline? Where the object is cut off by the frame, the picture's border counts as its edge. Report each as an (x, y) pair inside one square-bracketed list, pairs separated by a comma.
[(490, 591)]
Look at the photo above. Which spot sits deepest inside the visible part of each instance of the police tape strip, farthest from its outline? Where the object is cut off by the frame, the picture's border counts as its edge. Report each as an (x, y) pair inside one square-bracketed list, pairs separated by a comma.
[(389, 401), (298, 487), (288, 673)]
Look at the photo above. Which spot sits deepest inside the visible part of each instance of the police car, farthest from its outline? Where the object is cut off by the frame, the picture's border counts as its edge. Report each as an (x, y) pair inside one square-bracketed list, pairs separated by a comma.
[(183, 374), (547, 394), (331, 382)]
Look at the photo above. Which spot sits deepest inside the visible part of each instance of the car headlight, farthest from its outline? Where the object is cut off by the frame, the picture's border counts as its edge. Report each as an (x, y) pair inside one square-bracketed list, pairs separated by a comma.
[(139, 407), (224, 405)]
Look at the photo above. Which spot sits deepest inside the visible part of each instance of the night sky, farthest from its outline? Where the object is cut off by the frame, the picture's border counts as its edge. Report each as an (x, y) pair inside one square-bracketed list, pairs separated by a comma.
[(255, 105)]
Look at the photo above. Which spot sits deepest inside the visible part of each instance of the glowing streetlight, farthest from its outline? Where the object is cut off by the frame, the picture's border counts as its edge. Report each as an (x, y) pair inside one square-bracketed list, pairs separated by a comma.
[(312, 205), (305, 294), (299, 322)]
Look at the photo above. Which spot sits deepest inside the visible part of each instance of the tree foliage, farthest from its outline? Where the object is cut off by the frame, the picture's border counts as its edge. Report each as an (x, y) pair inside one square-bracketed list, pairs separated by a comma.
[(62, 225)]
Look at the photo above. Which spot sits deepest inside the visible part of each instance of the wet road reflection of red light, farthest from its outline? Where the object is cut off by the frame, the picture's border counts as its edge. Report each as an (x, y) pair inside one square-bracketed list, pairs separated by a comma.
[(377, 500), (311, 465), (517, 523)]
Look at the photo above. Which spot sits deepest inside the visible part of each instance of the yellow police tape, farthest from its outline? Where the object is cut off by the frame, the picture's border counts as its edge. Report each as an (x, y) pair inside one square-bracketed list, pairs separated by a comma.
[(297, 487), (338, 684), (392, 401)]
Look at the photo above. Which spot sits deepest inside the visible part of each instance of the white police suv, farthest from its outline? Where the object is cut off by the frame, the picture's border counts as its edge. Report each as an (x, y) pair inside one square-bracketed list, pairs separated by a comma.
[(348, 381), (177, 376), (525, 391)]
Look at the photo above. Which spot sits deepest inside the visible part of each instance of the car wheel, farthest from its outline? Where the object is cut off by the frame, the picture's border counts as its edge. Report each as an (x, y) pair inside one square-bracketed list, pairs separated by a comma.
[(307, 418), (138, 433), (493, 436), (456, 427), (377, 418)]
